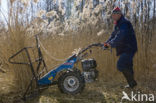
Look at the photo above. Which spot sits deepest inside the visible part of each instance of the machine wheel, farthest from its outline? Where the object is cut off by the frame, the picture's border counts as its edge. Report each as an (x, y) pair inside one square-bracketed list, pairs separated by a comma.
[(96, 74), (71, 82)]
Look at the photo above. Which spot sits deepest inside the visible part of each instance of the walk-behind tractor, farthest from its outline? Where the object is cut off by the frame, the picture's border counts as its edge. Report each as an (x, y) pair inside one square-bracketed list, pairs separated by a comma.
[(71, 80)]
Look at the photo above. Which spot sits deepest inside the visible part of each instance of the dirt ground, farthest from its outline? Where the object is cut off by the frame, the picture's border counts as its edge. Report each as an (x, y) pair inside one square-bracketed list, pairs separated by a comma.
[(100, 91)]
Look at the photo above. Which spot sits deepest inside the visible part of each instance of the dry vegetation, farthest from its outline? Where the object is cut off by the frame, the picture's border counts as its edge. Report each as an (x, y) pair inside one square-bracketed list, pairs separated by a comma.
[(60, 39)]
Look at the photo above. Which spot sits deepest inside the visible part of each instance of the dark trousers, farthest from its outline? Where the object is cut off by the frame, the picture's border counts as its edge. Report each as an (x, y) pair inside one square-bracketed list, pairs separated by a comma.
[(125, 65), (125, 61)]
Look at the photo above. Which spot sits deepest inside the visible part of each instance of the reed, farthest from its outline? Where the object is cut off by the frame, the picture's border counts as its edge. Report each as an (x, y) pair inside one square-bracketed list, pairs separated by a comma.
[(60, 43)]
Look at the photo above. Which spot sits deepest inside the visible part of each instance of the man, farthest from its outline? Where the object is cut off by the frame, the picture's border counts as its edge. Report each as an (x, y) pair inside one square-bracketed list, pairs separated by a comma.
[(124, 40)]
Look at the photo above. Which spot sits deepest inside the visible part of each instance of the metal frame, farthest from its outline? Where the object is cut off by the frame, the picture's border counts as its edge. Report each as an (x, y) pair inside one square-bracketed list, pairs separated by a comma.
[(40, 60), (45, 81)]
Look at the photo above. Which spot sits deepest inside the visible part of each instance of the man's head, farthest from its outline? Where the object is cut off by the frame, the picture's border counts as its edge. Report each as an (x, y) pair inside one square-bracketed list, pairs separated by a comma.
[(116, 14)]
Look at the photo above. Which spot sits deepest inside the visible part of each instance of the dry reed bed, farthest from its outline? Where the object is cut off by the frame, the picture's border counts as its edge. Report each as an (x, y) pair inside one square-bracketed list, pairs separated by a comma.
[(62, 46), (17, 37)]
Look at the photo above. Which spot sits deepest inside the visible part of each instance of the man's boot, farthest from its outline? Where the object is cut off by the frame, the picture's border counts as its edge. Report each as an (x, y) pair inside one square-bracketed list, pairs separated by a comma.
[(130, 78)]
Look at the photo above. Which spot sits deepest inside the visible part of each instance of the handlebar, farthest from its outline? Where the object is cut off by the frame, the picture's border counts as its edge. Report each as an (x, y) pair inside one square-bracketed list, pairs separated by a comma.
[(92, 45), (88, 47)]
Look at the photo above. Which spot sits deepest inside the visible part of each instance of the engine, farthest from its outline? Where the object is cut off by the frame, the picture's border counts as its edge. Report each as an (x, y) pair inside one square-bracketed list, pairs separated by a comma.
[(90, 72)]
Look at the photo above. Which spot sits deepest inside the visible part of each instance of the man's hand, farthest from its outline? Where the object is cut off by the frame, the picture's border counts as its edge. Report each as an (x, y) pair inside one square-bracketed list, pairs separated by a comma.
[(106, 45)]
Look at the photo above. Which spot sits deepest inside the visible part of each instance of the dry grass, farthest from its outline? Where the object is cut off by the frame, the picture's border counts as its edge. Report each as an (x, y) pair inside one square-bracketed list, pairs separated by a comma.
[(62, 46), (17, 37)]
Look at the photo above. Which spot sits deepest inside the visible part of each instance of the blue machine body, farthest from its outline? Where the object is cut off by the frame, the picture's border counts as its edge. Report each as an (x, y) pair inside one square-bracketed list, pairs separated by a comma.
[(48, 78)]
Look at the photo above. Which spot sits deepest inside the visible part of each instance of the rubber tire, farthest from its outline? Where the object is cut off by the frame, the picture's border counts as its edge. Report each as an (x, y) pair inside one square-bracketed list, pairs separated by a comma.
[(96, 74), (71, 73)]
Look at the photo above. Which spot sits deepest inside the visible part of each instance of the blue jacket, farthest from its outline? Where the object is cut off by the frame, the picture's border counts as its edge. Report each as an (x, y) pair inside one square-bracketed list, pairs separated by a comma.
[(123, 37)]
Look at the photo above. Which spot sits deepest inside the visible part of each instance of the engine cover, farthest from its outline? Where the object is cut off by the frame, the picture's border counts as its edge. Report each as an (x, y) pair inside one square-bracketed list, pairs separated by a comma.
[(90, 76), (88, 64), (90, 72)]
